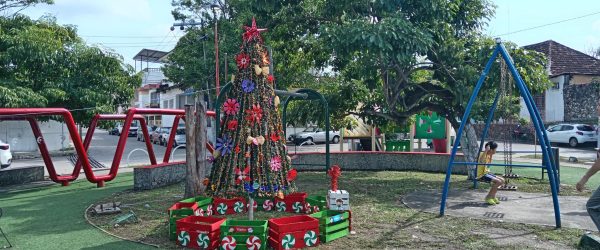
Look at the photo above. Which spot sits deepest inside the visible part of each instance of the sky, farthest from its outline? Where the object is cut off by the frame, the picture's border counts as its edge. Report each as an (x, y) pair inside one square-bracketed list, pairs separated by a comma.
[(127, 26)]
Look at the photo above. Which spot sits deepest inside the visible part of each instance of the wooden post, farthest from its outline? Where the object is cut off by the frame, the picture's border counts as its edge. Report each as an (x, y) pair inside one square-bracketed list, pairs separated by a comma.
[(342, 140), (195, 151), (373, 141)]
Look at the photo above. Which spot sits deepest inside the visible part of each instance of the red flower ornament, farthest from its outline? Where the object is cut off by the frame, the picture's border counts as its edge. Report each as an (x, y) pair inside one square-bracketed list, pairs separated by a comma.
[(232, 125), (231, 106), (254, 114), (242, 60), (275, 137)]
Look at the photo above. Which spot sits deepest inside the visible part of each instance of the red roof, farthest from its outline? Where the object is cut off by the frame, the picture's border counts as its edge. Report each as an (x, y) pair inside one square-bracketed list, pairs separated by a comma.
[(565, 60), (149, 86)]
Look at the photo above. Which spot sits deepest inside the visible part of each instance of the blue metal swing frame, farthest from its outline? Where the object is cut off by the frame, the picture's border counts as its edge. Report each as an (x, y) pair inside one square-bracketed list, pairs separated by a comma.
[(550, 165)]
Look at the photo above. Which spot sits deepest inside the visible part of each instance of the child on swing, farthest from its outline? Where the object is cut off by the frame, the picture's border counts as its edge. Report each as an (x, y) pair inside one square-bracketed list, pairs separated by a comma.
[(483, 172)]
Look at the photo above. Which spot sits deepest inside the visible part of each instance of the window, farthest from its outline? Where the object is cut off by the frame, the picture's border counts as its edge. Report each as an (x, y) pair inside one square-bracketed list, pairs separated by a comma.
[(171, 103), (555, 128), (567, 128), (165, 104), (585, 128)]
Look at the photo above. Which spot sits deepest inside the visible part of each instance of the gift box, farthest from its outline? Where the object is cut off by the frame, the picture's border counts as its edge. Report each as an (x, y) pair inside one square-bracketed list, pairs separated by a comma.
[(338, 200), (244, 234), (264, 203), (293, 203), (204, 205), (293, 232), (178, 211), (228, 206), (332, 224), (315, 203), (199, 232)]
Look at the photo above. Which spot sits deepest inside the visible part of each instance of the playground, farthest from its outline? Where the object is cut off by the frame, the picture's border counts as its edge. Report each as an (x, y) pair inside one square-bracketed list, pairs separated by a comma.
[(247, 191)]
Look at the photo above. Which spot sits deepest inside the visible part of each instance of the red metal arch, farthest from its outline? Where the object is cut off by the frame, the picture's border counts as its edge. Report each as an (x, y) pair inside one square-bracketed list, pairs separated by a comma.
[(30, 114)]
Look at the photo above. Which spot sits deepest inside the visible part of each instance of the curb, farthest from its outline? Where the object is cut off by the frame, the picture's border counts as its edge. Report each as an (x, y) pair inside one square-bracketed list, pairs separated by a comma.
[(35, 155)]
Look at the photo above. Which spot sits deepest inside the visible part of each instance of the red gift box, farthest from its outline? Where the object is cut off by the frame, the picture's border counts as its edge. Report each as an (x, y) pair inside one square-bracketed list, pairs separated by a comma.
[(293, 203), (293, 232), (199, 232), (229, 206)]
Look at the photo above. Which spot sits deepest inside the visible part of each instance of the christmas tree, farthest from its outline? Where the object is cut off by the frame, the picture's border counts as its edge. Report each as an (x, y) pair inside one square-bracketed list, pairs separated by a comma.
[(250, 156)]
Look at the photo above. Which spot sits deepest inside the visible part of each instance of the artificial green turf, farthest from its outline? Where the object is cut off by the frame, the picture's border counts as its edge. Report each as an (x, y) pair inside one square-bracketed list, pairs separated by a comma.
[(52, 217)]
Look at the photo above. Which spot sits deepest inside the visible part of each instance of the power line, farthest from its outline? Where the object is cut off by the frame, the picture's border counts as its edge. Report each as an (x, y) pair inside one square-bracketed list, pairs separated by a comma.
[(548, 24)]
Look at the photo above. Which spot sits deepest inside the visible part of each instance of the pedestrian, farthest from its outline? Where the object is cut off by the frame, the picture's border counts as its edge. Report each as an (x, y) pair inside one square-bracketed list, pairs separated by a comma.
[(593, 204)]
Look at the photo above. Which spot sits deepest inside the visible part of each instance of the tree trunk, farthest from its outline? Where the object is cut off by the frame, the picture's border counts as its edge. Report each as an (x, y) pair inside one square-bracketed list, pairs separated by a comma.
[(194, 150), (201, 140), (469, 144), (470, 147)]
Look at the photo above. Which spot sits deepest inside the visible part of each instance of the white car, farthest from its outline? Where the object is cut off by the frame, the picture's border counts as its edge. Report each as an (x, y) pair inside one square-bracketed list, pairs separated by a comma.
[(314, 134), (179, 137), (573, 134), (5, 155)]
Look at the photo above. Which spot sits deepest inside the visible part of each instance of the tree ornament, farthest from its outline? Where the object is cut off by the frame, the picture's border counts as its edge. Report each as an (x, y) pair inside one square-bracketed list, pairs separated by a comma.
[(232, 125), (254, 114), (276, 163), (260, 140), (270, 79), (252, 32), (231, 106), (292, 174), (261, 70), (224, 144), (242, 175), (274, 137), (247, 85), (276, 101), (242, 60)]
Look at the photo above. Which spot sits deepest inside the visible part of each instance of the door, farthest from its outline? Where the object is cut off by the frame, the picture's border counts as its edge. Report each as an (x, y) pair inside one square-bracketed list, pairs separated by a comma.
[(553, 133), (566, 132)]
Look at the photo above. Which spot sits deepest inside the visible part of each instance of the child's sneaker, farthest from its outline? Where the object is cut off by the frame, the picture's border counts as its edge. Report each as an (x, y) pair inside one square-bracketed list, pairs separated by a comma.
[(496, 200), (490, 201)]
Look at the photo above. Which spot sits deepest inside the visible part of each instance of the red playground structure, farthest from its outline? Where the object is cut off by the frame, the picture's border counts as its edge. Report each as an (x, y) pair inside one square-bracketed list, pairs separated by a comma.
[(83, 161)]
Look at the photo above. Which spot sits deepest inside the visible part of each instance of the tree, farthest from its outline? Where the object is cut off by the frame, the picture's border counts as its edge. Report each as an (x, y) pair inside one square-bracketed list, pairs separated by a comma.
[(43, 64), (9, 6), (250, 154), (404, 57)]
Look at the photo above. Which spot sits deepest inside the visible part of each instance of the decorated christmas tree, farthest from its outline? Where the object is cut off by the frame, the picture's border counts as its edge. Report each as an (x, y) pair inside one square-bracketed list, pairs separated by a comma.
[(250, 156)]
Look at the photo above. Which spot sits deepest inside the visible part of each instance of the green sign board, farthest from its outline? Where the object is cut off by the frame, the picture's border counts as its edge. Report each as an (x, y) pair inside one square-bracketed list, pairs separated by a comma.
[(430, 127)]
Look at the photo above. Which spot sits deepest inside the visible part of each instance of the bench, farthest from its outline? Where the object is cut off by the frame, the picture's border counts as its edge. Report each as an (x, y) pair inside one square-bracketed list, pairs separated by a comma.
[(21, 175), (159, 175)]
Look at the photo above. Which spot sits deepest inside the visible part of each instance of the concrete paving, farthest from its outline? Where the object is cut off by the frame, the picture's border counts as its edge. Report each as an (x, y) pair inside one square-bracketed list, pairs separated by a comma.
[(517, 207)]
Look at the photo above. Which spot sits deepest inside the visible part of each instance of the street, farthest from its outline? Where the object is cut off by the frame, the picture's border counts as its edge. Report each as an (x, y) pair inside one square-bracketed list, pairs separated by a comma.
[(102, 149)]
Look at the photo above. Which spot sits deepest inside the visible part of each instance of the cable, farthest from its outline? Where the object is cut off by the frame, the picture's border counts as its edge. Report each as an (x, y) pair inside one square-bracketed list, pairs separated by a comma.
[(548, 24)]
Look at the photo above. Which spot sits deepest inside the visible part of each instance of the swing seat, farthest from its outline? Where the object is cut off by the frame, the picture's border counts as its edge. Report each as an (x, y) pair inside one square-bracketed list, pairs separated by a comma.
[(95, 164)]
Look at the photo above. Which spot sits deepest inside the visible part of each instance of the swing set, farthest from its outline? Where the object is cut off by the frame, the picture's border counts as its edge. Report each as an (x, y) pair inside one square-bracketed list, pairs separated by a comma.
[(548, 162)]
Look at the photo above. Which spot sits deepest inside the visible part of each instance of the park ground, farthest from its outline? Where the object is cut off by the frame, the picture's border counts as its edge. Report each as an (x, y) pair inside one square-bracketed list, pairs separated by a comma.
[(52, 217)]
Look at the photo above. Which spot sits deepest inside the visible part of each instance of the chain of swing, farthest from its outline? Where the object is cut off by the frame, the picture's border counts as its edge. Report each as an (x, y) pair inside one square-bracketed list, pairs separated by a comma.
[(506, 120)]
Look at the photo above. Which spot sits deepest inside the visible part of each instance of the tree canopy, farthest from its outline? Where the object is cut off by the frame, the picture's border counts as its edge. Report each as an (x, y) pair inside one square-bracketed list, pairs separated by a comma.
[(388, 59), (43, 64)]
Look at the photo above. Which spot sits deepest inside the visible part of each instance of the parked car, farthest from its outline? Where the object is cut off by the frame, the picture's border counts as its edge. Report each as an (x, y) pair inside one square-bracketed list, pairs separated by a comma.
[(140, 134), (573, 134), (119, 128), (5, 155), (314, 134), (158, 134), (179, 137)]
